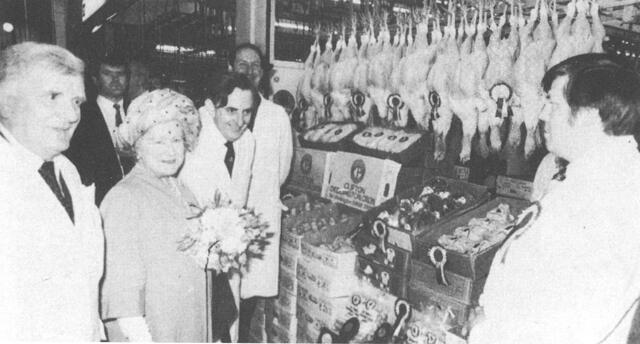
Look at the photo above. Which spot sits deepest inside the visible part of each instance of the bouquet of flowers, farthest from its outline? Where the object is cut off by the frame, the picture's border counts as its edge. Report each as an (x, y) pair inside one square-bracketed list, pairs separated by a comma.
[(222, 236)]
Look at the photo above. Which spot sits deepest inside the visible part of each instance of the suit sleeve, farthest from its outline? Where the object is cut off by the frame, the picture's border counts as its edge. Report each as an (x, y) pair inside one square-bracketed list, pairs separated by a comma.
[(124, 279)]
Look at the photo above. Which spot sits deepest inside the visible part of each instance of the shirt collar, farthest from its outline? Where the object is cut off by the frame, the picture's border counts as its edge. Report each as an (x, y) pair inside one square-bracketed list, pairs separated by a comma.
[(216, 135), (103, 102), (30, 159)]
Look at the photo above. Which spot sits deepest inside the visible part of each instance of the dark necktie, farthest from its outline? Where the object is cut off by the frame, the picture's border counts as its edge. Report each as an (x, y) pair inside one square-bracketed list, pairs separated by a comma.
[(49, 175), (230, 157), (118, 114)]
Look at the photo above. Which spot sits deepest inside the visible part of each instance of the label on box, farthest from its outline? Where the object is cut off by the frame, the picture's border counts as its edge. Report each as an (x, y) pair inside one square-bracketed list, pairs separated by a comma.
[(326, 308), (359, 181), (309, 170), (332, 283), (512, 187), (335, 260), (461, 172)]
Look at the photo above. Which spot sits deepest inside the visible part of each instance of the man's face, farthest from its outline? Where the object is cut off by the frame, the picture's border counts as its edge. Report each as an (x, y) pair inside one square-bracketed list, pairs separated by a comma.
[(111, 81), (232, 120), (247, 62), (45, 111), (556, 113)]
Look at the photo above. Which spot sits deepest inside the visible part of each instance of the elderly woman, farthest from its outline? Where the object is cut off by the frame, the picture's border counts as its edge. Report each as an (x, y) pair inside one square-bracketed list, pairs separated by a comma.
[(153, 291)]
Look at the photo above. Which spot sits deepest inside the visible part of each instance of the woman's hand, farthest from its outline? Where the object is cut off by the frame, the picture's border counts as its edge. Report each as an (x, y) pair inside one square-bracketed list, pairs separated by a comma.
[(135, 329)]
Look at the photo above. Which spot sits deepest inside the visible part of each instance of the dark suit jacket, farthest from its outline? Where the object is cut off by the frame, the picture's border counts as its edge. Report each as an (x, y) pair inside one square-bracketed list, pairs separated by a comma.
[(93, 153)]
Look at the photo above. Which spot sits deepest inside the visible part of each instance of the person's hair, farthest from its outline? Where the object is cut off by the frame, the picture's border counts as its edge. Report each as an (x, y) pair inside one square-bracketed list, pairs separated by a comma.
[(226, 84), (604, 83), (264, 85), (112, 59), (16, 60)]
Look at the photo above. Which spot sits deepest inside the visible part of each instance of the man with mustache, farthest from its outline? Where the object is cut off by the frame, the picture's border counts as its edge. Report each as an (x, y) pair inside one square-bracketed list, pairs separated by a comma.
[(93, 147)]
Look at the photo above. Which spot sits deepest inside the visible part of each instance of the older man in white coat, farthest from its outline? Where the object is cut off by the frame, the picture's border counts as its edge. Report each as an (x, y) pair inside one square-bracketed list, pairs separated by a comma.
[(274, 150), (51, 252), (221, 163)]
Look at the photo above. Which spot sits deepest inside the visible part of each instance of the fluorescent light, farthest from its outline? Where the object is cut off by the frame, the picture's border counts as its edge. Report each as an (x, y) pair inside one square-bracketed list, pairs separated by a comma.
[(7, 27), (292, 26), (96, 28)]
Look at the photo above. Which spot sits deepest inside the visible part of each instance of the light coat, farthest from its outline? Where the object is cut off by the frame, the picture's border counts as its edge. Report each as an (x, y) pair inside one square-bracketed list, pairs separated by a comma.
[(204, 173), (50, 267), (271, 165)]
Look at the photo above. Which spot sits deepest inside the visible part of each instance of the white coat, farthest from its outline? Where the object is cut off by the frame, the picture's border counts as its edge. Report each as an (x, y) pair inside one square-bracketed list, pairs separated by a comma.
[(272, 162), (49, 267), (204, 173)]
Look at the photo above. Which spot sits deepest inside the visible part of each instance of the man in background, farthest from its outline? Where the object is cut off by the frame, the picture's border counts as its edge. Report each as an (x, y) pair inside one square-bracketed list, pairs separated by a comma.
[(274, 151), (221, 162), (139, 79), (94, 147), (51, 252)]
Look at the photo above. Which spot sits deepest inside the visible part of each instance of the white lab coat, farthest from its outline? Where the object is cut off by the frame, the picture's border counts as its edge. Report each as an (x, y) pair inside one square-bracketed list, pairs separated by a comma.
[(573, 274), (274, 150), (49, 267), (204, 173)]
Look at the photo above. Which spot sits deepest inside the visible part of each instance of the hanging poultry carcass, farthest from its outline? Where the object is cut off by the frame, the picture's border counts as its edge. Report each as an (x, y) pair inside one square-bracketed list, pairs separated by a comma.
[(380, 68), (530, 67), (361, 103), (396, 106), (308, 117), (341, 76), (465, 96), (320, 87), (439, 84), (487, 107), (415, 70), (499, 79)]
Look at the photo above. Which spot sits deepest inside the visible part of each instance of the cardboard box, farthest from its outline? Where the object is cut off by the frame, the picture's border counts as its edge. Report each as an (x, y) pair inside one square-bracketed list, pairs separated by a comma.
[(382, 277), (278, 317), (309, 170), (405, 239), (320, 306), (329, 282), (422, 298), (386, 254), (312, 243), (472, 266), (512, 187), (413, 156), (460, 288), (286, 301), (289, 259), (288, 282), (359, 181), (421, 329), (308, 326)]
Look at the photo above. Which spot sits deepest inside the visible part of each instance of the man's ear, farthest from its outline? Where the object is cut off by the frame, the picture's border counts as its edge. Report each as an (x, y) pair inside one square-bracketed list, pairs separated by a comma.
[(95, 80), (229, 67)]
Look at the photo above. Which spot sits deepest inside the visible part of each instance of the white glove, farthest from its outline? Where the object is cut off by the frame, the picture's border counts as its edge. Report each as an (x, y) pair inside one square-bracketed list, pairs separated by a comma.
[(135, 329)]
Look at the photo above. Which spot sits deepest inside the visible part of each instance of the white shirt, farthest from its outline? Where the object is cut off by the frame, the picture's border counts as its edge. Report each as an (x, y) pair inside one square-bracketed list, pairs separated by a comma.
[(109, 114), (570, 276)]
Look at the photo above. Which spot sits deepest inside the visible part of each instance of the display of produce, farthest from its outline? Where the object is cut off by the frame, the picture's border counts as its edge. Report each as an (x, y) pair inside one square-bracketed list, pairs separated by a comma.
[(417, 210), (329, 132), (386, 140), (481, 233)]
